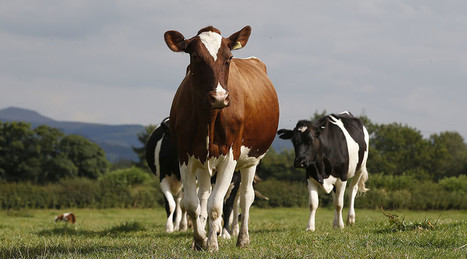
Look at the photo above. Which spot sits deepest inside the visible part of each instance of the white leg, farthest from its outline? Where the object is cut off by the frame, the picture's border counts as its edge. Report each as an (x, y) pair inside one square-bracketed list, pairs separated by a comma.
[(204, 185), (352, 194), (234, 226), (183, 220), (192, 205), (339, 203), (216, 202), (178, 214), (165, 188), (313, 201), (247, 196)]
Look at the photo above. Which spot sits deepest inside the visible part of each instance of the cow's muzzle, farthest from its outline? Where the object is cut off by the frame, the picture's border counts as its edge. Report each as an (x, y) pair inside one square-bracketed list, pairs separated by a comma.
[(219, 100), (300, 163)]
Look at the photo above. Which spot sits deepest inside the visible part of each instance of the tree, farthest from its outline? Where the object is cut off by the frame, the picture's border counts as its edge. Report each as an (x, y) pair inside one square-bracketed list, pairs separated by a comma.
[(19, 152), (449, 155), (143, 137), (87, 156), (54, 163), (397, 149)]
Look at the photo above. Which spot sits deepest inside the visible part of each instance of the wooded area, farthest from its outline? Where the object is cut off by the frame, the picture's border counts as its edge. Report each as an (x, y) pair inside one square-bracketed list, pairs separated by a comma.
[(38, 167)]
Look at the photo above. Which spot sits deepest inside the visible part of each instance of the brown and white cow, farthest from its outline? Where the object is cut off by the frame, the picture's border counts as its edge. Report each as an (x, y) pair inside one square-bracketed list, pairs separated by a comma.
[(223, 118), (66, 217)]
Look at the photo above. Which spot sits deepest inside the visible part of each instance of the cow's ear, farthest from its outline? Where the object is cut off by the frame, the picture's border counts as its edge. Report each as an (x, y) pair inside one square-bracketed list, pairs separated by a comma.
[(239, 39), (175, 41), (165, 125), (317, 130), (285, 133)]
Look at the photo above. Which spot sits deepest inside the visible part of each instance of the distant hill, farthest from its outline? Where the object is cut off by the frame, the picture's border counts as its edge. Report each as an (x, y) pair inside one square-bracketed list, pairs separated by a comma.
[(116, 140)]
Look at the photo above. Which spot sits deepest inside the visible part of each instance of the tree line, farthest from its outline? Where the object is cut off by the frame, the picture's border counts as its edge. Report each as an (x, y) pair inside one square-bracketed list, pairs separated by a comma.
[(46, 154), (406, 170)]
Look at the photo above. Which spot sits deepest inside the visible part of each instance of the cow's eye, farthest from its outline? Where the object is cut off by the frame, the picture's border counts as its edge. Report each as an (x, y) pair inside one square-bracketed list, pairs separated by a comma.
[(227, 62)]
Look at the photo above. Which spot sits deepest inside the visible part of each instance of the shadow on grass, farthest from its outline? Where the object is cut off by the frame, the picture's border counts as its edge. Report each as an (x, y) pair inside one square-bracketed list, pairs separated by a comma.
[(61, 250), (70, 230)]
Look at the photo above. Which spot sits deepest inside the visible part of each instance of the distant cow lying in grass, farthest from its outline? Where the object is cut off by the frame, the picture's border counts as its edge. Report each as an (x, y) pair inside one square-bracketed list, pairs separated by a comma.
[(66, 217), (332, 150)]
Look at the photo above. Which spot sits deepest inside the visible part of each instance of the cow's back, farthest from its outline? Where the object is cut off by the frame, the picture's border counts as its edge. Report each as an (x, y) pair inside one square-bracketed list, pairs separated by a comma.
[(257, 99)]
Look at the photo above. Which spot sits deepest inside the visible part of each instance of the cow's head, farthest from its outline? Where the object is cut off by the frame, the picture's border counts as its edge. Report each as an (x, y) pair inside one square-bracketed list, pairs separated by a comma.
[(210, 57), (305, 141)]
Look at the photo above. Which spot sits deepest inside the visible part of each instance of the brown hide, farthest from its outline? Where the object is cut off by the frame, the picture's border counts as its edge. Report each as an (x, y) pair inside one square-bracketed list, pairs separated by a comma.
[(251, 119)]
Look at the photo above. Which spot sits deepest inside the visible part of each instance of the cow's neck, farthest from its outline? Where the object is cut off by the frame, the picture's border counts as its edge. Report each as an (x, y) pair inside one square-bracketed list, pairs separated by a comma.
[(215, 134)]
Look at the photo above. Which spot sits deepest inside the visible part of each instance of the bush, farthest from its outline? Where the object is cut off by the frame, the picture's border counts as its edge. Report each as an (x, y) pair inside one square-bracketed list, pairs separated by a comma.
[(119, 189)]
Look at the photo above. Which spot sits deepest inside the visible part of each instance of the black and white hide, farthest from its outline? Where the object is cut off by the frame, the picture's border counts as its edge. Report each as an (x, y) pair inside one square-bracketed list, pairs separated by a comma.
[(161, 155), (333, 150)]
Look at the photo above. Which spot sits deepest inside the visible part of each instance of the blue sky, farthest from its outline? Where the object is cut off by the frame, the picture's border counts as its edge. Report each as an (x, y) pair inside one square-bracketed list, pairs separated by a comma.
[(107, 62)]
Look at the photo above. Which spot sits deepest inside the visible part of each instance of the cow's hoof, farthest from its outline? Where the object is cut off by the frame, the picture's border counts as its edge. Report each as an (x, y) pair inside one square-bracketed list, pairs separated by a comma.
[(243, 243), (199, 245), (225, 234), (213, 246), (310, 229)]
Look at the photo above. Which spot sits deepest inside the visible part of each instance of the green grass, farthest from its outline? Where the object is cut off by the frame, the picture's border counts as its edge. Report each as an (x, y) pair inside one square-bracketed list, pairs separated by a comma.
[(276, 233)]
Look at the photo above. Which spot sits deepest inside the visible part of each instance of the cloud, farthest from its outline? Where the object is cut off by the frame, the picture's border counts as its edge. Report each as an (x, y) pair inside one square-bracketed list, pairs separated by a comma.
[(106, 61)]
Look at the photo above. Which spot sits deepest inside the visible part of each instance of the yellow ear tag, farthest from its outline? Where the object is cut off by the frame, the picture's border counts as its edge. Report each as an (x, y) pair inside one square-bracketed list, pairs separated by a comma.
[(238, 45)]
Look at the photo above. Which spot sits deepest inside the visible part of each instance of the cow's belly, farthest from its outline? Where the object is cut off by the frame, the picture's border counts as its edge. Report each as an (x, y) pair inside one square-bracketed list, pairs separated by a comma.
[(246, 161), (226, 161)]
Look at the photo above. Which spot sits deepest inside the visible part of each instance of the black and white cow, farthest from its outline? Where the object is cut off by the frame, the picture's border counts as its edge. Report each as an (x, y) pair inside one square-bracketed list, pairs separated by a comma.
[(162, 158), (161, 155), (230, 211), (332, 150)]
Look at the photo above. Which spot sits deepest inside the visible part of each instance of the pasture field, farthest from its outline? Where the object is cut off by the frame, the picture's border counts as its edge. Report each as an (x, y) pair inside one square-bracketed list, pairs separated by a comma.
[(274, 233)]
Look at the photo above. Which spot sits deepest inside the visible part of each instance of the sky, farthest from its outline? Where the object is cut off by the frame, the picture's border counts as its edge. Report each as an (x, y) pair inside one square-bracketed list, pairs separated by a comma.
[(107, 62)]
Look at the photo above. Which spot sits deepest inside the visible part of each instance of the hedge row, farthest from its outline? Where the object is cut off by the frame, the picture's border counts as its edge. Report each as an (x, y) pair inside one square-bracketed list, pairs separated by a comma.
[(119, 189), (135, 188), (395, 192)]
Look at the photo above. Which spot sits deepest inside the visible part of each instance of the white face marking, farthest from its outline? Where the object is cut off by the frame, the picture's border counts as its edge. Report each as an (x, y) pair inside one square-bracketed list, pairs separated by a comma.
[(212, 42), (345, 112), (352, 147), (302, 128), (220, 90)]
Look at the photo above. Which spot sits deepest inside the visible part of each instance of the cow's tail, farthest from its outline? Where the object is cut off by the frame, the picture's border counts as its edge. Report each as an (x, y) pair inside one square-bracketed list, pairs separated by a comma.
[(361, 183)]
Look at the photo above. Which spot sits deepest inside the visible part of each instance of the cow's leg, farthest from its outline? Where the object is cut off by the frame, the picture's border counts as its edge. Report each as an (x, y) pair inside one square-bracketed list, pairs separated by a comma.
[(235, 213), (247, 196), (204, 184), (183, 220), (192, 205), (339, 203), (227, 216), (216, 200), (170, 204), (314, 203), (178, 212), (352, 194)]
